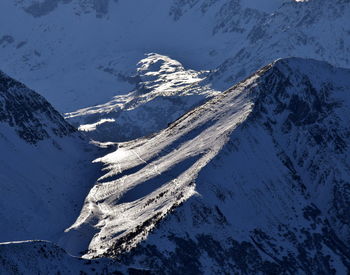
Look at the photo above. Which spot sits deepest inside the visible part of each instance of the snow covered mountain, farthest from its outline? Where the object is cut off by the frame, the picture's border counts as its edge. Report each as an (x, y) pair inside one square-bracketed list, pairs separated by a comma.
[(164, 87), (40, 257), (316, 29), (294, 30), (254, 181), (45, 174), (45, 166), (89, 57)]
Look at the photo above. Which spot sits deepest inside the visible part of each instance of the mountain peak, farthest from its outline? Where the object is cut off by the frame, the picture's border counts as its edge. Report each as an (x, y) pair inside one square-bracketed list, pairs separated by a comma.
[(231, 175), (44, 166), (32, 117)]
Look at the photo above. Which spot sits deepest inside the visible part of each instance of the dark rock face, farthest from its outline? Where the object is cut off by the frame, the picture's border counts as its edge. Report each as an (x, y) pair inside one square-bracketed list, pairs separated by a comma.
[(261, 254), (32, 117), (38, 9), (312, 128), (6, 39)]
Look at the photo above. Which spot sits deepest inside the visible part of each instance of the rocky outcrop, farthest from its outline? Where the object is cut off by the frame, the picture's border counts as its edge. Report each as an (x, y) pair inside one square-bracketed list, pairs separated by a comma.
[(31, 116), (251, 181)]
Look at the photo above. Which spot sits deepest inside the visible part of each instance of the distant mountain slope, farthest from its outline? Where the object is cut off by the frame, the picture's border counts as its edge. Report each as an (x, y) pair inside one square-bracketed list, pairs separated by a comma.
[(165, 90), (45, 7), (29, 114), (86, 60), (45, 169), (316, 29), (253, 181)]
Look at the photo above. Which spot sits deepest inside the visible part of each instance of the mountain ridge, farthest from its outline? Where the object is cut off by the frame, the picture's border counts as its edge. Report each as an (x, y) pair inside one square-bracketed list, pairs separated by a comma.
[(186, 170), (230, 40), (250, 179), (22, 108), (45, 166)]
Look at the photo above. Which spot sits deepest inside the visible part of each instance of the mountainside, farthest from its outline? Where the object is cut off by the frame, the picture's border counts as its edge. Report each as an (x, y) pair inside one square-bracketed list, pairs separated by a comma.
[(45, 7), (232, 37), (297, 29), (164, 87), (41, 257), (44, 166), (256, 180), (156, 163)]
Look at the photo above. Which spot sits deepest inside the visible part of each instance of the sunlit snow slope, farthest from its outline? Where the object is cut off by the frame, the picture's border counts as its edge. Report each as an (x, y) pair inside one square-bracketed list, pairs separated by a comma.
[(165, 90), (256, 180)]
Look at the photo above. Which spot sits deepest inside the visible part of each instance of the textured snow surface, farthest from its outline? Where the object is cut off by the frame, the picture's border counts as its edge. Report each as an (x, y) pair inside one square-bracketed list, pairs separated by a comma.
[(165, 91), (42, 257), (256, 179), (310, 29), (253, 180), (45, 166), (39, 257), (88, 57), (77, 59)]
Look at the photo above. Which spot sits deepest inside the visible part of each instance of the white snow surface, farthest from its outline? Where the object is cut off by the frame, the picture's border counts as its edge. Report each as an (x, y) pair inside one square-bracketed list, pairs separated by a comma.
[(214, 169), (228, 169), (164, 87), (77, 58), (259, 170)]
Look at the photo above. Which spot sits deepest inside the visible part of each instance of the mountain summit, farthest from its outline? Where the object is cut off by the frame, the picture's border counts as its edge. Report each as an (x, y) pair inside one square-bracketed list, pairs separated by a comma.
[(254, 180), (77, 60), (44, 166), (185, 173)]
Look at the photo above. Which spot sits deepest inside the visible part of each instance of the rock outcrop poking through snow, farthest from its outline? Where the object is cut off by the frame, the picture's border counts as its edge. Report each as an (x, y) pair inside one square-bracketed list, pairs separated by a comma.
[(45, 166), (254, 180), (32, 117)]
